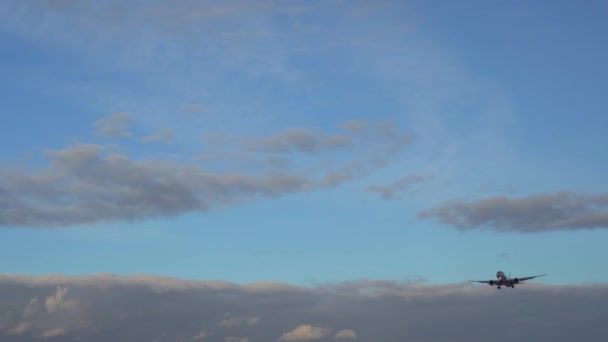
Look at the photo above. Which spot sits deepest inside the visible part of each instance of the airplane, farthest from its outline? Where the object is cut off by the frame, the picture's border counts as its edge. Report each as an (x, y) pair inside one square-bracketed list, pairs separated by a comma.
[(503, 280)]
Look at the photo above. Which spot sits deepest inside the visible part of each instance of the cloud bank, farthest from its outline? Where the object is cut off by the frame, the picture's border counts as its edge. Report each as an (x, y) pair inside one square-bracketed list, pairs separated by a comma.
[(563, 210), (143, 307)]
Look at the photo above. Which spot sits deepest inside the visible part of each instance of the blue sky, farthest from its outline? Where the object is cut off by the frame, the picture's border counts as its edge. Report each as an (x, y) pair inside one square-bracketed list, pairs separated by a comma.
[(250, 141)]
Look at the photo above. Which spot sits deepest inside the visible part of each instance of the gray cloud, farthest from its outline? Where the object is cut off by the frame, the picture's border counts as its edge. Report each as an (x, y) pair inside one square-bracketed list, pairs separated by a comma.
[(147, 308), (114, 126), (86, 184), (298, 140), (538, 213), (236, 339), (236, 321), (388, 191)]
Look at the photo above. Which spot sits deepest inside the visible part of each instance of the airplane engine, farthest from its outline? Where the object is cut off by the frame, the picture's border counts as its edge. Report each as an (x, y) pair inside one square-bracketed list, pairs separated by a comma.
[(516, 281), (491, 283)]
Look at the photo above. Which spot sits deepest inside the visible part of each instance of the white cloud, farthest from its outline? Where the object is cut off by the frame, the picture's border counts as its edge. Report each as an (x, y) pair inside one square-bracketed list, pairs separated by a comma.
[(346, 334), (31, 308), (305, 332), (57, 301), (201, 335)]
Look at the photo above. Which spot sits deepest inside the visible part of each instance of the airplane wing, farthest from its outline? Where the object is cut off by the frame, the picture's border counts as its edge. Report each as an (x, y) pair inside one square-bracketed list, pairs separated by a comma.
[(532, 277), (480, 281)]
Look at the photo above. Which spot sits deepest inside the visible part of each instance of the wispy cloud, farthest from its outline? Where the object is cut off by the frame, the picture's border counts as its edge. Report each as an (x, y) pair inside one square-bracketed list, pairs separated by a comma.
[(237, 321), (20, 329), (191, 108), (298, 140), (53, 332), (114, 126), (164, 135), (201, 335), (388, 191), (504, 256), (563, 210), (86, 184)]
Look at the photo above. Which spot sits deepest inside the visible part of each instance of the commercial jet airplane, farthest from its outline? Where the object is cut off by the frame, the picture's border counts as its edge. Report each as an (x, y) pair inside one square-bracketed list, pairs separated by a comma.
[(503, 280)]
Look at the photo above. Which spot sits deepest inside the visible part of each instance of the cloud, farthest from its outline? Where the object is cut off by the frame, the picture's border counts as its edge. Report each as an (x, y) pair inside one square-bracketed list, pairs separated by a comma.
[(87, 184), (57, 302), (201, 335), (388, 191), (346, 334), (238, 321), (144, 307), (191, 108), (504, 256), (164, 135), (114, 126), (563, 210), (20, 329), (53, 332), (298, 140), (305, 332), (236, 339), (31, 308)]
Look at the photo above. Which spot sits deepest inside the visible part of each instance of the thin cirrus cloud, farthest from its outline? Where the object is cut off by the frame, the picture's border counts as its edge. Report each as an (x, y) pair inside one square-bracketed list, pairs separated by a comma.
[(114, 126), (298, 140), (163, 308), (564, 210), (389, 191), (163, 135), (88, 183)]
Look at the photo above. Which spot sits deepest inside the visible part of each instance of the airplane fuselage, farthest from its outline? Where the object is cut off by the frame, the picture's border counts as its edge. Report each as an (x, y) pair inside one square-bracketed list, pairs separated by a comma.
[(503, 280)]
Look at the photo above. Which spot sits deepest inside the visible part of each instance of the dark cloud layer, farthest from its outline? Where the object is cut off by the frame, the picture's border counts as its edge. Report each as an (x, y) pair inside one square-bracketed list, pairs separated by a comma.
[(146, 308), (546, 212), (86, 184)]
